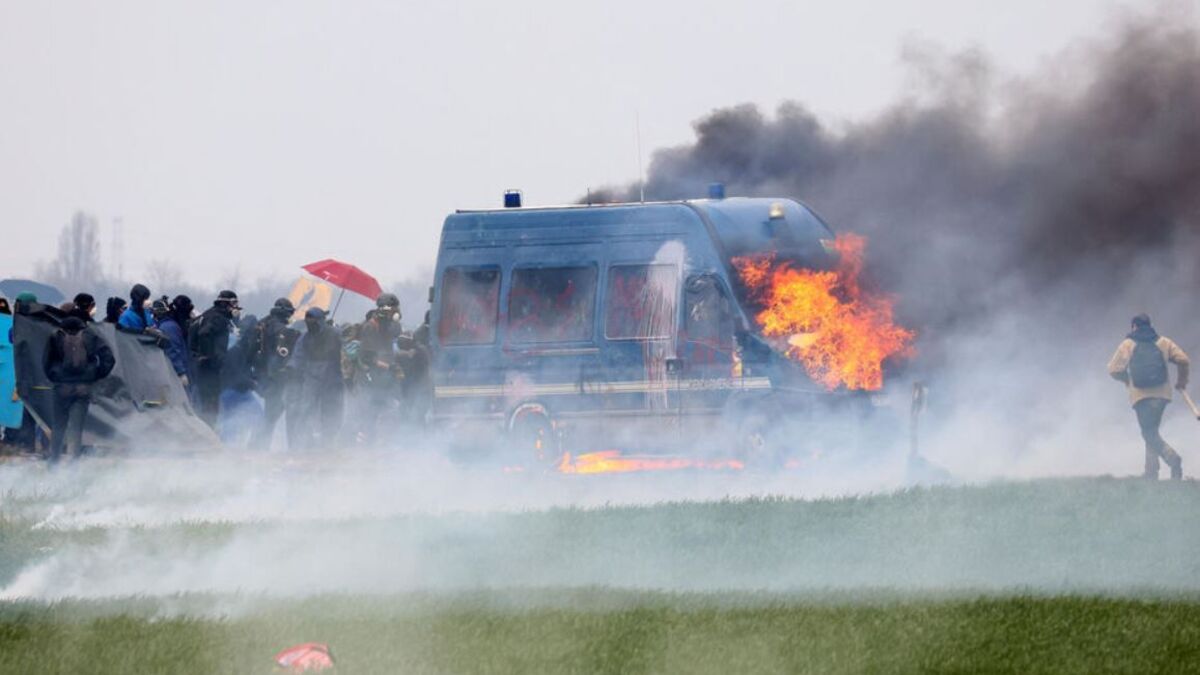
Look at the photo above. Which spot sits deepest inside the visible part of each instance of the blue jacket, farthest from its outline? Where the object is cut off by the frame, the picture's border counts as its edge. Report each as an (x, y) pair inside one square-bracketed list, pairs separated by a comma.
[(176, 349), (130, 320)]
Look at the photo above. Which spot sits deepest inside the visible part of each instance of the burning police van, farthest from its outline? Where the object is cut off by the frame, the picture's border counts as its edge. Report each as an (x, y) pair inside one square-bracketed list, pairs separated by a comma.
[(645, 325)]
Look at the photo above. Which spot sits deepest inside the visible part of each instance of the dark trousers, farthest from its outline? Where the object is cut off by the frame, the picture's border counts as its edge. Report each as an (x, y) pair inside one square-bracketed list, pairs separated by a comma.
[(70, 412), (208, 395), (1149, 415), (272, 393), (319, 416)]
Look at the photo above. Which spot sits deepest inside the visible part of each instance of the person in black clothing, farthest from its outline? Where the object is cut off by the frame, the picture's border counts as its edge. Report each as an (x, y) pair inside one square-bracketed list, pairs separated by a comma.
[(208, 340), (84, 307), (381, 374), (412, 356), (317, 376), (4, 308), (114, 309), (75, 359), (270, 347)]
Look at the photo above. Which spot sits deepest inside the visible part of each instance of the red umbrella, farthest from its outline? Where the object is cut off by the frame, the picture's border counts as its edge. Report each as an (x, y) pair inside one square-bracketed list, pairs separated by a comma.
[(346, 277)]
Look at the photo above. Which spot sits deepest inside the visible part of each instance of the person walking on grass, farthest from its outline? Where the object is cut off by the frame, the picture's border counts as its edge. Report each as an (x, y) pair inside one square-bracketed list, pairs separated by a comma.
[(1141, 363)]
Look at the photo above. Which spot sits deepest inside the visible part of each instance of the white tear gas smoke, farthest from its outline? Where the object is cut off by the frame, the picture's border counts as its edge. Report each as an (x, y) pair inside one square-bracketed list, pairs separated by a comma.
[(244, 529), (1020, 223)]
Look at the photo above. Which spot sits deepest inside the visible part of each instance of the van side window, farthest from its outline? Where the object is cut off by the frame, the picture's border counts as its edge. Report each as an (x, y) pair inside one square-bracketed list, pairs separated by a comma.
[(470, 305), (640, 302), (552, 304), (708, 320)]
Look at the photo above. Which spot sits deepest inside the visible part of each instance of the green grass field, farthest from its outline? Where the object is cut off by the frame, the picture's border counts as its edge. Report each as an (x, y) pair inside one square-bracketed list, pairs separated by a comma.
[(612, 632), (1054, 576)]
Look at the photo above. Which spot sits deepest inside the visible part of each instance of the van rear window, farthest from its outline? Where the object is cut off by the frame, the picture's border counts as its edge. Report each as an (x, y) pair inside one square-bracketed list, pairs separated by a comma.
[(470, 305), (552, 304), (640, 302)]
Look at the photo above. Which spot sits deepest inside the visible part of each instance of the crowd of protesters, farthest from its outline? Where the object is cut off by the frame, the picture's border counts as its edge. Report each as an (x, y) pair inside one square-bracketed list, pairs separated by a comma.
[(353, 384)]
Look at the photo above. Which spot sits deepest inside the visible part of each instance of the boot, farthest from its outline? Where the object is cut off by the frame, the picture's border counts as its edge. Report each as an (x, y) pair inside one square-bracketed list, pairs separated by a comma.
[(1174, 461)]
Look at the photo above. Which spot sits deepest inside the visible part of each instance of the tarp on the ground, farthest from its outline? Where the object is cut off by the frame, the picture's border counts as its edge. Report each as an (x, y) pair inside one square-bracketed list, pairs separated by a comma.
[(141, 405), (10, 407)]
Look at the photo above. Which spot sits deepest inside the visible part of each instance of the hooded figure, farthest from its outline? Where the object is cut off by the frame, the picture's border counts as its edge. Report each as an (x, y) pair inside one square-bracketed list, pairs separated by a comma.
[(174, 343), (1141, 363), (137, 317), (4, 308), (208, 339), (114, 309), (317, 368), (25, 302), (84, 307), (75, 359), (270, 348)]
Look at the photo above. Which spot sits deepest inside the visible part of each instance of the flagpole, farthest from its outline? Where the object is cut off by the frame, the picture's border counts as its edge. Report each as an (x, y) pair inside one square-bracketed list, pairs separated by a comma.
[(337, 304)]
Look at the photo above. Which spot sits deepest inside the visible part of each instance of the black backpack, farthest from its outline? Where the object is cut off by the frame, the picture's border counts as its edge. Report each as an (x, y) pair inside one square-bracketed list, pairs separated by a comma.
[(75, 356), (1147, 365)]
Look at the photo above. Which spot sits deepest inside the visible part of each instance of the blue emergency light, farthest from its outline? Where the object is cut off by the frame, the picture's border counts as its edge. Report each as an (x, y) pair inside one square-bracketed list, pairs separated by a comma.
[(716, 191), (512, 199)]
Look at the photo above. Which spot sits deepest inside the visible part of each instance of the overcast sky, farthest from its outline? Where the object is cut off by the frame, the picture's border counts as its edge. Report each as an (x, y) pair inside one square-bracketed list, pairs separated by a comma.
[(270, 134)]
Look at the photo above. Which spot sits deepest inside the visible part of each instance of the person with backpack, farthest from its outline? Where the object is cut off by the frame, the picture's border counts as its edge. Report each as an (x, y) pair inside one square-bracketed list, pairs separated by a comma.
[(270, 347), (75, 359), (1141, 363)]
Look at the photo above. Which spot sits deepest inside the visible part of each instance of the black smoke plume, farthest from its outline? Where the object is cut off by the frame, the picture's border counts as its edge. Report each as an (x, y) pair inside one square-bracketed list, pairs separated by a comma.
[(978, 192)]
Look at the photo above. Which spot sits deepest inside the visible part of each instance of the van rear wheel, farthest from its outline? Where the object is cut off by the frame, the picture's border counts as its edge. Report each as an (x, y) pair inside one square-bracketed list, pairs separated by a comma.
[(533, 438)]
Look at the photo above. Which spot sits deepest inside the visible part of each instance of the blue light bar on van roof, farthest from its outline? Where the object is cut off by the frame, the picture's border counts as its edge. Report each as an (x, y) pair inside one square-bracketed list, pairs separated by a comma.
[(716, 191), (512, 199)]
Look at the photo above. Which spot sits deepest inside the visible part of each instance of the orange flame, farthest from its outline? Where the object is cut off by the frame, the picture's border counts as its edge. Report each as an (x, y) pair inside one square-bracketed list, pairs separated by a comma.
[(841, 334), (612, 461)]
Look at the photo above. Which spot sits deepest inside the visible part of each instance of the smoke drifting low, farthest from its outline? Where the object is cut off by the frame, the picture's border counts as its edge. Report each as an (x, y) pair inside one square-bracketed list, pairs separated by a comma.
[(1020, 223)]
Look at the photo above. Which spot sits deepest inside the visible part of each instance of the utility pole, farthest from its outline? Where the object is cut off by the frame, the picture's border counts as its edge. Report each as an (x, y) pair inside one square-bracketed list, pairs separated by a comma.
[(118, 249)]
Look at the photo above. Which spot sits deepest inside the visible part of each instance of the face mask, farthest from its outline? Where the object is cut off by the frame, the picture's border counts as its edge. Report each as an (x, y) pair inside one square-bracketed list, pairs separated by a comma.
[(313, 326)]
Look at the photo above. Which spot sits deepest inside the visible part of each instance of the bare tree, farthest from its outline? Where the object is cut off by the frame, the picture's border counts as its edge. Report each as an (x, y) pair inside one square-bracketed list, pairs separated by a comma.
[(232, 279), (78, 263), (164, 276)]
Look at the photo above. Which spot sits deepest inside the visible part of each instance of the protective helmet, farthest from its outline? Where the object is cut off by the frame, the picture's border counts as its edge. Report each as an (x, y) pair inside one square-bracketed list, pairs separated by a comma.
[(285, 304), (228, 297), (387, 300), (160, 308)]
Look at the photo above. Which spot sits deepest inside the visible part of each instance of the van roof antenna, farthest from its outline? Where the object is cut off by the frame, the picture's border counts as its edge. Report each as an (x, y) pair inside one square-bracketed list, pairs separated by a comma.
[(637, 124)]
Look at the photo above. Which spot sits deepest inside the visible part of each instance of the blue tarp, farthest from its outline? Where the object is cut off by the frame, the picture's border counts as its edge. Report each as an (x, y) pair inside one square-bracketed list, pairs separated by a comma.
[(10, 409)]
